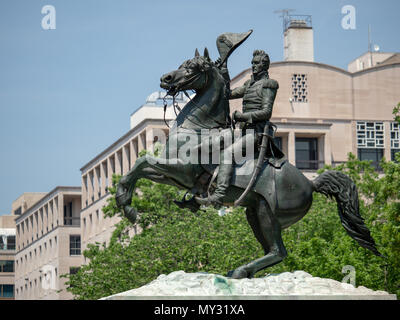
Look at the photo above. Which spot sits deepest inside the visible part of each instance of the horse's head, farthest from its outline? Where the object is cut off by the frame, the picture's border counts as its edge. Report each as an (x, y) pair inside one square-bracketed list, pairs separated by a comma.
[(191, 75)]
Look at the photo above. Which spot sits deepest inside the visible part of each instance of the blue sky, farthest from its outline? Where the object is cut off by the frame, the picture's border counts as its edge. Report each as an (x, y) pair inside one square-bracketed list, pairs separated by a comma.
[(67, 94)]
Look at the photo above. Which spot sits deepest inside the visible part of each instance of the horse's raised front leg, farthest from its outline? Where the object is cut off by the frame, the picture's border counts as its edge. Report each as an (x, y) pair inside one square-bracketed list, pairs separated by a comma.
[(268, 232), (154, 169)]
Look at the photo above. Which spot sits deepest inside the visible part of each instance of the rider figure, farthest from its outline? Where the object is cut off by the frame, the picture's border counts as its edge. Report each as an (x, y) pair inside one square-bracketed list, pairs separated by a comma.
[(258, 95)]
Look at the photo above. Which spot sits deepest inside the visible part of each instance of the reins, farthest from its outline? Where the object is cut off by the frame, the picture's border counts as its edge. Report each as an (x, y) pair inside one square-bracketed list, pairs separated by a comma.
[(176, 106)]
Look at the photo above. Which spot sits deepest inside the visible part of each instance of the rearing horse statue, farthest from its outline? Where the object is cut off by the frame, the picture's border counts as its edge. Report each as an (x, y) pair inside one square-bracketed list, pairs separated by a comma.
[(279, 197)]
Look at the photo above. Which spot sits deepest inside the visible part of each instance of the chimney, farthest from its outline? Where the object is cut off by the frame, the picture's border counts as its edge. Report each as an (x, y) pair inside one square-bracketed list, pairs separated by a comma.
[(298, 38)]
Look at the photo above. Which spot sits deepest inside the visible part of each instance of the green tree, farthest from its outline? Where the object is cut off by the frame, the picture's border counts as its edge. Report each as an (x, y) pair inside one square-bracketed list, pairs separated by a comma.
[(396, 113)]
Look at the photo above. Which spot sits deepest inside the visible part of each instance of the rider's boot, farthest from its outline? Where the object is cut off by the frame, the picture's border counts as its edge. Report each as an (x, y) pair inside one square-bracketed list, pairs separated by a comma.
[(223, 182)]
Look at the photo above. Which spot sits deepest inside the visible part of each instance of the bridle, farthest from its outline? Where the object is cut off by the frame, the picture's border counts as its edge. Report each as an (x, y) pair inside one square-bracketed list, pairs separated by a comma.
[(173, 93)]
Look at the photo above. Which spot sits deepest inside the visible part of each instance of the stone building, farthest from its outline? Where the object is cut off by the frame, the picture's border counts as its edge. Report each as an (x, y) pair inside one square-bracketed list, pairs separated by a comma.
[(47, 244)]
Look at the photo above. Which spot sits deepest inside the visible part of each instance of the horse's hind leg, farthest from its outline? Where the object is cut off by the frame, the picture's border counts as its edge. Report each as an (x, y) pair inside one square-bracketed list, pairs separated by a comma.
[(268, 233), (252, 219)]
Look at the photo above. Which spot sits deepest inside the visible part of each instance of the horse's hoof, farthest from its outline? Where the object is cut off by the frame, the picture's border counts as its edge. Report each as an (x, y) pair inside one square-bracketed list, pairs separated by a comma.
[(130, 213), (239, 273)]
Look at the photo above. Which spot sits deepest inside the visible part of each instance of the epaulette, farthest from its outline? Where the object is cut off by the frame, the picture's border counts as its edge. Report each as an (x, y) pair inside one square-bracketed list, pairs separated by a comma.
[(270, 83)]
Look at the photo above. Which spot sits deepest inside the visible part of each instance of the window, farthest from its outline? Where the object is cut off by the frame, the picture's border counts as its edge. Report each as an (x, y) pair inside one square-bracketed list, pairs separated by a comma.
[(6, 265), (394, 139), (299, 88), (373, 154), (119, 157), (307, 153), (370, 134), (18, 211), (395, 135), (7, 242), (73, 270), (6, 290), (11, 242), (68, 219), (74, 245), (370, 141), (393, 154), (105, 167)]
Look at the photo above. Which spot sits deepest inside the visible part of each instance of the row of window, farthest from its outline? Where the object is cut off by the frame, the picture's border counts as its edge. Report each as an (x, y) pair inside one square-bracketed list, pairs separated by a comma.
[(40, 250), (90, 223), (371, 141), (69, 220), (74, 248), (372, 135), (307, 153), (32, 223), (36, 282)]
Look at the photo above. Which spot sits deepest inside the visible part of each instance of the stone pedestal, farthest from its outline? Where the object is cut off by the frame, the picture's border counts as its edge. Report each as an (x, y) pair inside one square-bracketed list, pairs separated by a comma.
[(297, 285)]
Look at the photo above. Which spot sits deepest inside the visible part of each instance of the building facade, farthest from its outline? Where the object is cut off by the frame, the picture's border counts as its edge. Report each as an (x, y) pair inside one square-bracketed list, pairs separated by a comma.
[(48, 245), (323, 112)]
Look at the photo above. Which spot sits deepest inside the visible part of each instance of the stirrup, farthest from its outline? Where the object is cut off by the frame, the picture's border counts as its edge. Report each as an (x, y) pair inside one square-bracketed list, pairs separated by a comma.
[(207, 202), (191, 204)]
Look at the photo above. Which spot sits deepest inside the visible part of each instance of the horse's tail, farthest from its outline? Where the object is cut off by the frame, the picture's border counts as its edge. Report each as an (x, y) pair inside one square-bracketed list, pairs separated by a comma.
[(337, 184)]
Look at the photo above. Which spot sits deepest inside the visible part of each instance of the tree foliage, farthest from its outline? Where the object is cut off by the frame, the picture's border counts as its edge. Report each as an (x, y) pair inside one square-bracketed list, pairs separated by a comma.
[(176, 239), (396, 113)]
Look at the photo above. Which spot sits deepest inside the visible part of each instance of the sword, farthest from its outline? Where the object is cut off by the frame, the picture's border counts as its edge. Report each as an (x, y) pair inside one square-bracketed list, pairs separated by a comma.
[(258, 167)]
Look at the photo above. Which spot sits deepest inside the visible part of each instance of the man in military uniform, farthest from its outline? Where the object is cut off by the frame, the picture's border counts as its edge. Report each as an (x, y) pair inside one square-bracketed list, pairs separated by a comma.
[(258, 95)]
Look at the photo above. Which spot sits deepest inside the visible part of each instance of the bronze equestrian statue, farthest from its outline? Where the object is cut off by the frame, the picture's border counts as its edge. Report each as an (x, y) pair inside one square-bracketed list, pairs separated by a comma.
[(275, 193)]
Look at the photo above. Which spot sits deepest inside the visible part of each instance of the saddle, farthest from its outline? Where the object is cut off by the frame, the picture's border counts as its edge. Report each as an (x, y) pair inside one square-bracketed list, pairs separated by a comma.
[(205, 182)]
